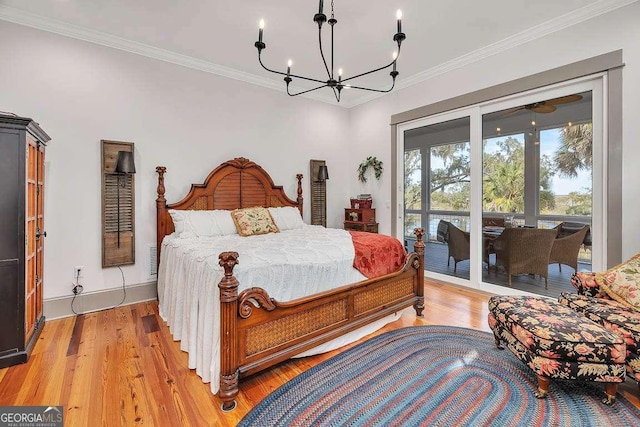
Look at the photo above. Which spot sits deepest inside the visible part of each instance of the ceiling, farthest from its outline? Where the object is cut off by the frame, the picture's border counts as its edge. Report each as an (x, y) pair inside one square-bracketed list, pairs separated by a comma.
[(218, 37)]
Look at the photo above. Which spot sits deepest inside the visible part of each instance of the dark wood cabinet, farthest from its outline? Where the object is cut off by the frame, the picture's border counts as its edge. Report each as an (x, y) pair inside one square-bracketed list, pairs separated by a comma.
[(22, 235), (360, 220)]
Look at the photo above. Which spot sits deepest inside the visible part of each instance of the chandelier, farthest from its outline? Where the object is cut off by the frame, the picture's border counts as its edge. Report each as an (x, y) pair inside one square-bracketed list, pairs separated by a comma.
[(331, 82)]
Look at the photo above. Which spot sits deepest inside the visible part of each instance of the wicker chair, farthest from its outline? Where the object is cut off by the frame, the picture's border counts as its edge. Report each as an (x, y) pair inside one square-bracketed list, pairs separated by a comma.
[(458, 242), (565, 249), (525, 250), (493, 221)]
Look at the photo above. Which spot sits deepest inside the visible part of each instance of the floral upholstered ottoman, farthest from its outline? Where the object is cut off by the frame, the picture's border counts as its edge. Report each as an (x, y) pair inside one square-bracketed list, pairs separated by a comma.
[(557, 342)]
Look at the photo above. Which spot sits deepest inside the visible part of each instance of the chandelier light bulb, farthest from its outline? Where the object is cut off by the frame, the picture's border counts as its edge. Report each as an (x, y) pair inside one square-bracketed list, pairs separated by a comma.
[(399, 17), (395, 55), (533, 122), (289, 64), (260, 29), (399, 14)]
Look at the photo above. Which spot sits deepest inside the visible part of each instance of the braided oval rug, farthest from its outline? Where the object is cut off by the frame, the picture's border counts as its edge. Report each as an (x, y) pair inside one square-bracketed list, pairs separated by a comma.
[(433, 376)]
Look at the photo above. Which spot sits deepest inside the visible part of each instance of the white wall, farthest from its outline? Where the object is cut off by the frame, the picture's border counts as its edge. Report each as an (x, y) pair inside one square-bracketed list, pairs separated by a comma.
[(620, 29), (191, 121), (186, 120)]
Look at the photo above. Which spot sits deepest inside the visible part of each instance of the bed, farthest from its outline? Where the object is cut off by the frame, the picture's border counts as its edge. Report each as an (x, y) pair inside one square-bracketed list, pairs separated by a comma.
[(256, 330)]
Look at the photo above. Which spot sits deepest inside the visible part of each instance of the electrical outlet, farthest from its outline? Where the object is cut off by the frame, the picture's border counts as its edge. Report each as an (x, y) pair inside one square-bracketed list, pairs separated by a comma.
[(77, 272)]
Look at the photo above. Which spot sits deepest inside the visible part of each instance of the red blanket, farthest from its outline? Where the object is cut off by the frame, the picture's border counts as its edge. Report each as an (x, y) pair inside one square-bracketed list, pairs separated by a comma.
[(377, 254)]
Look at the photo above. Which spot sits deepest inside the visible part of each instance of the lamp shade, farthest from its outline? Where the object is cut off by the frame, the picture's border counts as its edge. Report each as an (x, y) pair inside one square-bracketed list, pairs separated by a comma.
[(323, 173), (125, 163)]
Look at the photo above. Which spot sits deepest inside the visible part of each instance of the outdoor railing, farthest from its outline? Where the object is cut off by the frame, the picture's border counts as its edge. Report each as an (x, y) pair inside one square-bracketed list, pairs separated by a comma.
[(413, 219)]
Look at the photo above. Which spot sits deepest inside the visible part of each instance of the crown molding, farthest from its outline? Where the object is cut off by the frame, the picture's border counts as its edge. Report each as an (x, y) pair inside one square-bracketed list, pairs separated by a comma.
[(556, 24), (28, 19)]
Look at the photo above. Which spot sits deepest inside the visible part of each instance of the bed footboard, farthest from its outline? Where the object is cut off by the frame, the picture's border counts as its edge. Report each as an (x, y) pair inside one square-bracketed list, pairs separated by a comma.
[(257, 331)]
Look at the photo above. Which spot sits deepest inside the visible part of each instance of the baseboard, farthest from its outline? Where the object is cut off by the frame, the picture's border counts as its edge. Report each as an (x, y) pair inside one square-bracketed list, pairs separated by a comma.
[(55, 308)]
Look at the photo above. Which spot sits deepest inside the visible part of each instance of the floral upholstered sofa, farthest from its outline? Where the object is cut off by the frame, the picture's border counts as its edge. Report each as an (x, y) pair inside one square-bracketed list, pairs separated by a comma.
[(612, 299)]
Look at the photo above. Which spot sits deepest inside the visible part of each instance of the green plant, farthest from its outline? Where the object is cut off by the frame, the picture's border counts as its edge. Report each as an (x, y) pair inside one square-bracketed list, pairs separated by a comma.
[(373, 162)]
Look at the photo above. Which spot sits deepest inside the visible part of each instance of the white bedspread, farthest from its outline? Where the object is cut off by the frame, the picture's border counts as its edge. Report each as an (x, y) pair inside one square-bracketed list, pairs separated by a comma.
[(288, 265)]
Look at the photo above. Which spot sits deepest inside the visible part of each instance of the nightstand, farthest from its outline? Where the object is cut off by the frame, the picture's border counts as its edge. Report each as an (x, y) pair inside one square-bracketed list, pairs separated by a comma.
[(360, 220)]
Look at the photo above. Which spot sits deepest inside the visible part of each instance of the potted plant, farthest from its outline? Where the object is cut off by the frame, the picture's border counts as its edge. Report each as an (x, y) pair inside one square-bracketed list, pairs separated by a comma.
[(372, 162)]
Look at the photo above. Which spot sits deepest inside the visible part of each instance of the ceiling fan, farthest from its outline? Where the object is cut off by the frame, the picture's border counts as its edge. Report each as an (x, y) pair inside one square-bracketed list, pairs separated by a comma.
[(548, 106)]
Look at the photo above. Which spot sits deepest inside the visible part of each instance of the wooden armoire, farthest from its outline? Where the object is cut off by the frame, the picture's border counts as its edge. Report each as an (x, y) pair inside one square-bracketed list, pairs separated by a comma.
[(22, 148)]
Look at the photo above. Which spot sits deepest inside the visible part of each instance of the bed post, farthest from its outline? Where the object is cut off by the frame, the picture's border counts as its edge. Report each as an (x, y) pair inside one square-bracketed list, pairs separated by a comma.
[(419, 249), (161, 207), (299, 199), (229, 374)]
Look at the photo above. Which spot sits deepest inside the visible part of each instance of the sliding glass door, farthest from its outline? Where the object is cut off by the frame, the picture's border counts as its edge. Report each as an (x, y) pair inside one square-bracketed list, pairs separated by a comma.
[(436, 193), (533, 161), (537, 174)]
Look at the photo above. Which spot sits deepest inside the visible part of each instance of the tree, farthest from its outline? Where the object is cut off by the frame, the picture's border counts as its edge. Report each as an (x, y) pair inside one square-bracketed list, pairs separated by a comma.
[(503, 174), (579, 203), (576, 151), (503, 178), (412, 180), (456, 168)]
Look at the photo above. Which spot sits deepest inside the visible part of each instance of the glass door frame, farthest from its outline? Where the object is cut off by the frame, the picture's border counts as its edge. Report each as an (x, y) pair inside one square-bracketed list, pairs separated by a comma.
[(467, 112), (596, 84)]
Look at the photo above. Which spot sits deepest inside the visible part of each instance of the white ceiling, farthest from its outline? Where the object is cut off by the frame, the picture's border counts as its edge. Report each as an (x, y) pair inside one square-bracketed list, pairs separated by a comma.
[(218, 37)]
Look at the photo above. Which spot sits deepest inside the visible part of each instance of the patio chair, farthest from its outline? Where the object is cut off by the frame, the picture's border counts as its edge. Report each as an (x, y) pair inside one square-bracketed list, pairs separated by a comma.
[(492, 221), (525, 251), (565, 249), (566, 228), (457, 240)]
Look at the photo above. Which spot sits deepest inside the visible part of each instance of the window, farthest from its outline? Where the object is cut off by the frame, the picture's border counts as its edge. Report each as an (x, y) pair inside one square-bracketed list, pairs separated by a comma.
[(533, 158)]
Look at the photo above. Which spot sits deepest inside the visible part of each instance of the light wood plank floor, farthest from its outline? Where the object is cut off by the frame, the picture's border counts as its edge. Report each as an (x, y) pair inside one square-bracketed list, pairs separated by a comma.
[(121, 366)]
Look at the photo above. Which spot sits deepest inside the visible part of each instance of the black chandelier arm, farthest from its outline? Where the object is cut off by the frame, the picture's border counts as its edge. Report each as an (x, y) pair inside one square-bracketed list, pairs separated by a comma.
[(373, 71), (304, 91), (375, 90), (336, 93), (289, 75), (329, 74), (332, 51)]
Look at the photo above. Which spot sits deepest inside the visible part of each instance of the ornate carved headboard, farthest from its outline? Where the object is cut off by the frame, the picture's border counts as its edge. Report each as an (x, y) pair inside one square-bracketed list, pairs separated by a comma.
[(237, 183)]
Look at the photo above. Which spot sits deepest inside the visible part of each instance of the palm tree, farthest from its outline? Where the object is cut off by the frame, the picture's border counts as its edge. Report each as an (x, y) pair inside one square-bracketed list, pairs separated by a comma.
[(576, 150)]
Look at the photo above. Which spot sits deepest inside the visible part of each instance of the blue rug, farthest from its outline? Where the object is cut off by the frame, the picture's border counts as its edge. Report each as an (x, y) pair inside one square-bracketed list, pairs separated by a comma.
[(433, 376)]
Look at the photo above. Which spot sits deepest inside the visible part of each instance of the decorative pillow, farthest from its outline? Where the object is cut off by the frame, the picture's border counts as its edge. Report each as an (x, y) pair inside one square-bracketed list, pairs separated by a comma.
[(253, 221), (286, 218), (622, 283), (202, 223), (589, 283), (178, 220)]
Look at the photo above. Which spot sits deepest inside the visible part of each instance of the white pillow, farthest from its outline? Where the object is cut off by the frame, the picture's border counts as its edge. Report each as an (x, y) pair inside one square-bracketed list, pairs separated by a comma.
[(202, 223), (286, 218)]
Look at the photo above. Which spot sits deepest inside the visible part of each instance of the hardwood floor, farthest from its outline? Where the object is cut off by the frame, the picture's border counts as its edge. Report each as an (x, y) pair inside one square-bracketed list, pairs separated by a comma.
[(121, 366)]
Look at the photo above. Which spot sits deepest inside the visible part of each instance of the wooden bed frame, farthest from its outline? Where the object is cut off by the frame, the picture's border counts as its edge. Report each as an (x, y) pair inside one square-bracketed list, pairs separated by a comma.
[(256, 331)]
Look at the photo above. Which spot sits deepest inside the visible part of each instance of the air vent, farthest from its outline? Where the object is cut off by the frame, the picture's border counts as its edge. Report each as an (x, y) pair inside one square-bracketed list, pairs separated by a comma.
[(152, 261)]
